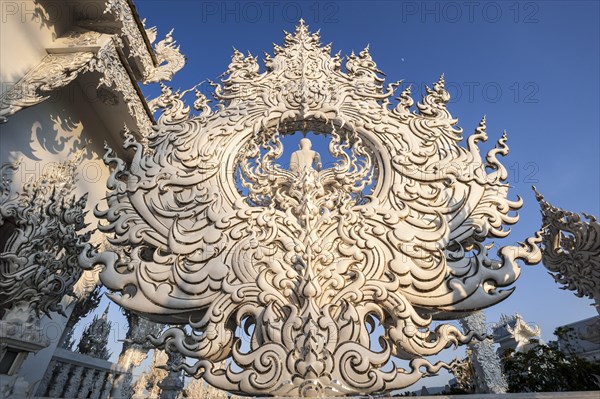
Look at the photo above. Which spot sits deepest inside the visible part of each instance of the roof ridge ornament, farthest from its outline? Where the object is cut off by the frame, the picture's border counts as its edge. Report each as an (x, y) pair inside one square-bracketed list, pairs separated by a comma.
[(216, 234)]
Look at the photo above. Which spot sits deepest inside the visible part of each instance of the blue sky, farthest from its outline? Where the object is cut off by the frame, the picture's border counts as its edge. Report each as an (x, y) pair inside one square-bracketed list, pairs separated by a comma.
[(532, 67)]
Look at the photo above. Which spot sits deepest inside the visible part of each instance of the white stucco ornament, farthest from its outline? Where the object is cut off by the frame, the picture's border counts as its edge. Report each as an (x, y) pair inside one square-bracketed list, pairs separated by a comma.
[(214, 234), (571, 249)]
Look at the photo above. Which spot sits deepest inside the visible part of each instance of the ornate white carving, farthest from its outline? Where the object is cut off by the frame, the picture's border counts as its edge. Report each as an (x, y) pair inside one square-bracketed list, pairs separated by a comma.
[(53, 72), (167, 59), (464, 372), (115, 76), (87, 283), (571, 250), (308, 261), (99, 384), (73, 374), (20, 328), (15, 386), (81, 38), (86, 302), (121, 10), (44, 255), (108, 386), (135, 348), (87, 384), (151, 378), (59, 384), (73, 387), (20, 331), (514, 333), (94, 339), (58, 70), (173, 383), (198, 389), (488, 377)]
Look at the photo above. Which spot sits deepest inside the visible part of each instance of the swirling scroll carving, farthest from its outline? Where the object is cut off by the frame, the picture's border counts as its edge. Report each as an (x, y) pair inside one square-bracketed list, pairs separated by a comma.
[(308, 262)]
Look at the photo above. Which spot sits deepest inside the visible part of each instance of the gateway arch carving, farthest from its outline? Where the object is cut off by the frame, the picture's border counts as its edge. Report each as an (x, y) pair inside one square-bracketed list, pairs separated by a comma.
[(336, 274)]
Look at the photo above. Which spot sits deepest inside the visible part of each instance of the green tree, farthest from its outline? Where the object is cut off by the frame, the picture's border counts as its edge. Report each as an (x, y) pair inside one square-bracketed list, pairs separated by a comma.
[(545, 368)]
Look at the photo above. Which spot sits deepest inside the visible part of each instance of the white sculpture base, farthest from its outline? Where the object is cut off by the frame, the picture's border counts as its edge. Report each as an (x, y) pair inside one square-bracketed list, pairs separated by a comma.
[(525, 395), (529, 395)]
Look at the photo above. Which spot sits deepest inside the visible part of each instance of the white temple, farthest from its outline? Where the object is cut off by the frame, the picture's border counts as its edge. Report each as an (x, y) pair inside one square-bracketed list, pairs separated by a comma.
[(210, 233), (203, 233), (512, 332), (70, 82)]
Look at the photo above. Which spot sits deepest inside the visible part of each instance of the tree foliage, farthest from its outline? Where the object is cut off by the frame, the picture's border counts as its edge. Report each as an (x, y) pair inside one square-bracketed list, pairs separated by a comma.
[(545, 368)]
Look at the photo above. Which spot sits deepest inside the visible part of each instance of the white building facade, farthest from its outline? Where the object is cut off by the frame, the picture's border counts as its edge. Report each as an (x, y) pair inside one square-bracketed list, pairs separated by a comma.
[(70, 82)]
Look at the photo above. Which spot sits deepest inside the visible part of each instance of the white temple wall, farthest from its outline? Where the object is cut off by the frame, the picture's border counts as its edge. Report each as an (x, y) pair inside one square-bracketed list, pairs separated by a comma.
[(24, 29), (49, 133), (52, 132)]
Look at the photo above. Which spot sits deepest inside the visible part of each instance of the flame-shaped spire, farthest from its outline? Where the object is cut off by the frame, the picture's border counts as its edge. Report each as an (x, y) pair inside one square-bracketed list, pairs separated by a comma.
[(480, 134), (105, 313), (434, 102), (405, 101)]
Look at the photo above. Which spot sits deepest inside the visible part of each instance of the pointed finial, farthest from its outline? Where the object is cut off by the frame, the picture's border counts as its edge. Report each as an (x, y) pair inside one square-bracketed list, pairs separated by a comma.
[(405, 101), (481, 128), (301, 28), (105, 314), (538, 196), (440, 83), (364, 54)]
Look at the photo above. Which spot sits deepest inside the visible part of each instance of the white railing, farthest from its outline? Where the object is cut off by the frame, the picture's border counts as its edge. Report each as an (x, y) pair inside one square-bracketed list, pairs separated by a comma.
[(73, 375)]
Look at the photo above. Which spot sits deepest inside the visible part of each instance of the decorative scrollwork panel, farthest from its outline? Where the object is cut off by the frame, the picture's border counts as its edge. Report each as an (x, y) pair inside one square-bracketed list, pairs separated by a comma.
[(308, 259)]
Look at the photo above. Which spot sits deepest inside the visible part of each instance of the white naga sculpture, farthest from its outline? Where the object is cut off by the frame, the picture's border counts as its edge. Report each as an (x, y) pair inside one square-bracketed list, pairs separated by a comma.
[(571, 249), (215, 235)]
